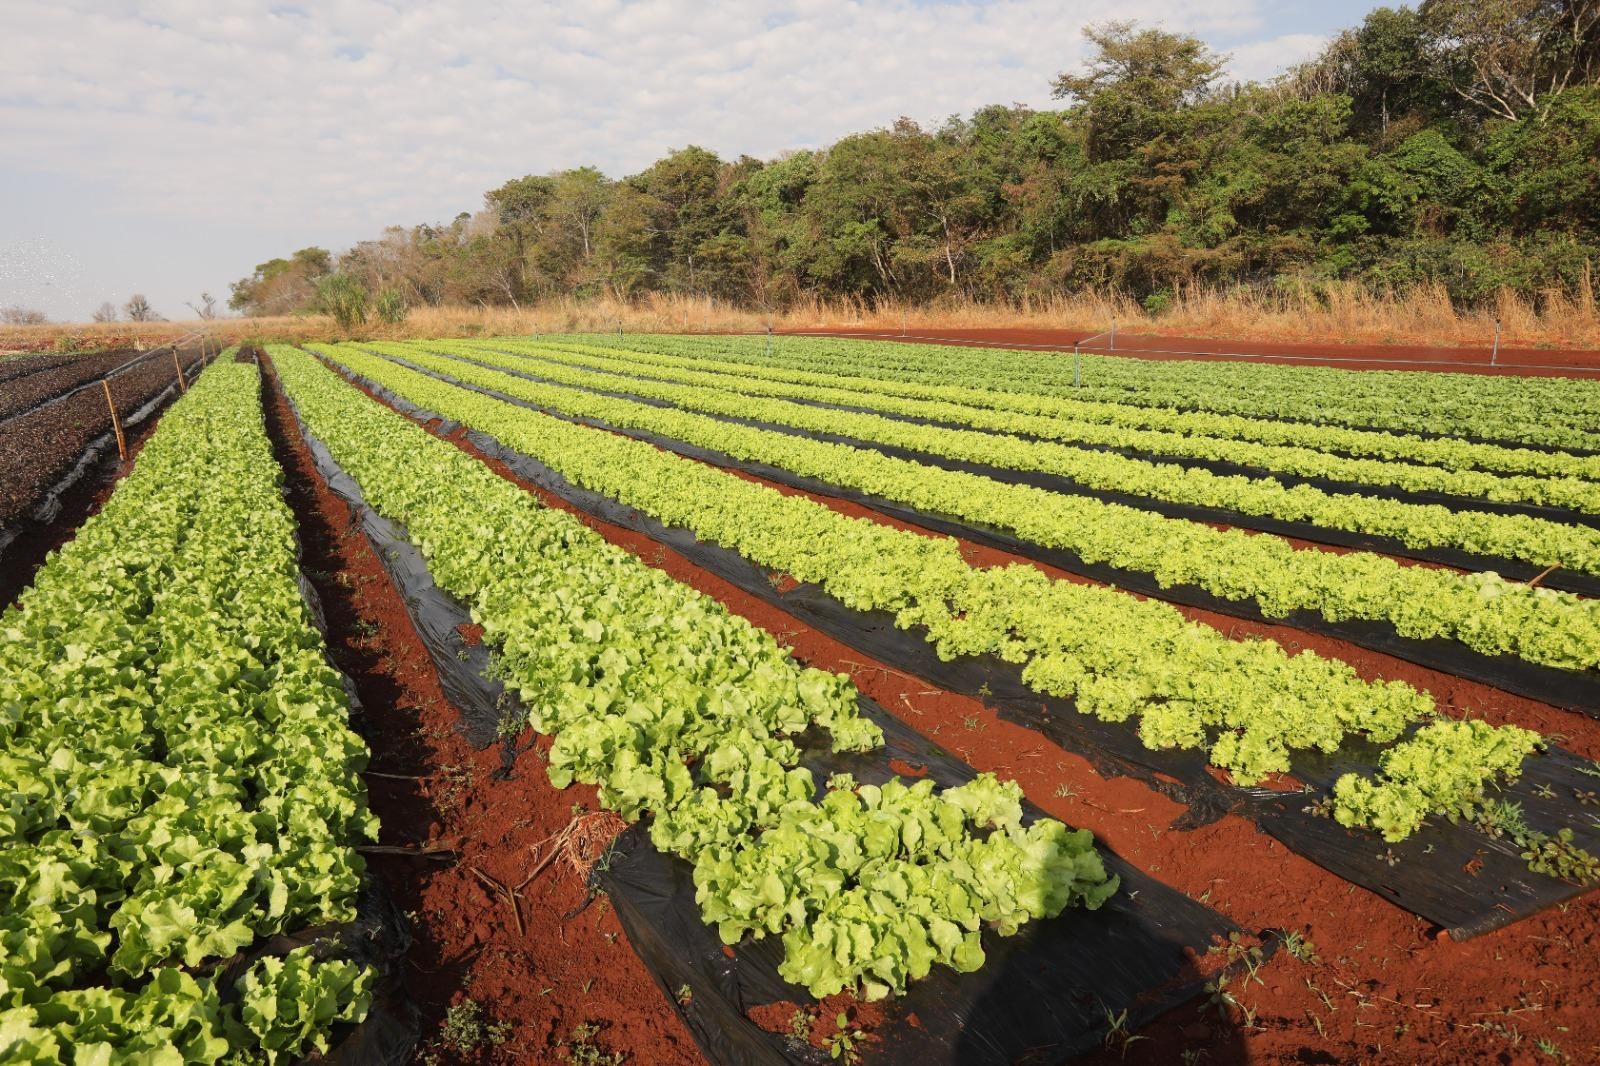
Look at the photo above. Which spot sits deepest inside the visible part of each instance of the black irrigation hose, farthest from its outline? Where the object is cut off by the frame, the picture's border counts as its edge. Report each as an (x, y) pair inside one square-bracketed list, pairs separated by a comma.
[(1451, 874)]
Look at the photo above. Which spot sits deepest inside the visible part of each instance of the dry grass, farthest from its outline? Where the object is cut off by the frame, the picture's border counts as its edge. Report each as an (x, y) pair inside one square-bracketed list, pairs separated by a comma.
[(1338, 314)]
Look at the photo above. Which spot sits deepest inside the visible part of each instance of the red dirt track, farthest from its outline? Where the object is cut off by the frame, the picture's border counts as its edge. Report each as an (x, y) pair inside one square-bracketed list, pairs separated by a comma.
[(1533, 362), (1382, 988)]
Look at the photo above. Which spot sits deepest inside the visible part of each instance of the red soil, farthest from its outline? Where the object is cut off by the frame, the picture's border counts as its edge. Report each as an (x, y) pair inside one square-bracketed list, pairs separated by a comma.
[(1536, 362), (1381, 987), (561, 970)]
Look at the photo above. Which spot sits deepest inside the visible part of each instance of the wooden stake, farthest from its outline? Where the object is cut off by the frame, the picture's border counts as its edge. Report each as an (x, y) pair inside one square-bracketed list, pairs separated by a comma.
[(182, 384), (116, 423)]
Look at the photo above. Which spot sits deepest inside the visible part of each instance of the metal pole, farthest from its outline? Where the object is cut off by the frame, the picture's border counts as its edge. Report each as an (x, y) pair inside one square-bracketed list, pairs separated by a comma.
[(1113, 346), (1077, 368), (1494, 353)]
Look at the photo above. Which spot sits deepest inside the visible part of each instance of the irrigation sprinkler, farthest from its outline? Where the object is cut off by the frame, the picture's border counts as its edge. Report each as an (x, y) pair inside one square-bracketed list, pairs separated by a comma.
[(902, 322), (1077, 368), (1494, 353), (769, 337), (1113, 345)]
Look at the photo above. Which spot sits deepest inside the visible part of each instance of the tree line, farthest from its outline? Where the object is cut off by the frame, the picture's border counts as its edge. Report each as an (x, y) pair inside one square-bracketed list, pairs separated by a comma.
[(1456, 142)]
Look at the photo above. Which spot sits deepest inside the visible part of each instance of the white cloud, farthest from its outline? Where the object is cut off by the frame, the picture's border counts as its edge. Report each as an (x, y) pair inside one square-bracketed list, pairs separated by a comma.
[(266, 127)]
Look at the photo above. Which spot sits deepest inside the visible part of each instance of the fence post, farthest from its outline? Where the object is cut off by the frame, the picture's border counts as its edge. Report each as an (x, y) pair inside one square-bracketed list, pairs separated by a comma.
[(116, 423)]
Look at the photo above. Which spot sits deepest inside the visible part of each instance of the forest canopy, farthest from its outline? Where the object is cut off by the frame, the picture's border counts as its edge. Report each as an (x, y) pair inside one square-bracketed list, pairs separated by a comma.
[(1457, 142)]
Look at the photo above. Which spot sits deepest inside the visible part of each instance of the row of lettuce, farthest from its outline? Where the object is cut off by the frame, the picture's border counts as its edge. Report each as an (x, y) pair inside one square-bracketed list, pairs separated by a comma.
[(1247, 703), (672, 705), (622, 371), (844, 370), (1539, 541), (1552, 412), (1480, 611), (180, 781), (183, 783)]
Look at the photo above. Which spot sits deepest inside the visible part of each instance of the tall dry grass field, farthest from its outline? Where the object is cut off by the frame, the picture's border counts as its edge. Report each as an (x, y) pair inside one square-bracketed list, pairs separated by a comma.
[(1340, 314)]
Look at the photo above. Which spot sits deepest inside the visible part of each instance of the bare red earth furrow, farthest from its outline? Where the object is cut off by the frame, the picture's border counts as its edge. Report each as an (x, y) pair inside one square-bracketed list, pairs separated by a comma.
[(430, 788)]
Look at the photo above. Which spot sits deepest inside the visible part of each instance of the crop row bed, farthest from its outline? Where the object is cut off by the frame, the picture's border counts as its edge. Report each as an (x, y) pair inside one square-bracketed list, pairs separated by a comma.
[(620, 372), (724, 356), (16, 367), (43, 444), (183, 782), (1247, 703), (1068, 413), (36, 388), (1491, 616), (1420, 526), (674, 706), (1552, 412)]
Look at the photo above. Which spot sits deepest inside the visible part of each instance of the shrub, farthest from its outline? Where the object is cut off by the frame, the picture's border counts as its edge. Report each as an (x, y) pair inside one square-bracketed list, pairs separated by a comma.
[(343, 297)]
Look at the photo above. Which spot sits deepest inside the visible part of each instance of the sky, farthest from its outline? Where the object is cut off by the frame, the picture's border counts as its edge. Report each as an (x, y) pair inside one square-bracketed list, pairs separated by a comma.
[(166, 148)]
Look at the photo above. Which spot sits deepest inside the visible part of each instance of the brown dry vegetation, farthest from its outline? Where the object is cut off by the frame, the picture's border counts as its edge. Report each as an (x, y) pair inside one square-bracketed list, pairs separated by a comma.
[(1339, 314)]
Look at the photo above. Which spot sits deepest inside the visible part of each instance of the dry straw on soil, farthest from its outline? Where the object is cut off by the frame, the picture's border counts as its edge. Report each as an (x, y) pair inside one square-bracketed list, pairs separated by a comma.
[(1341, 314)]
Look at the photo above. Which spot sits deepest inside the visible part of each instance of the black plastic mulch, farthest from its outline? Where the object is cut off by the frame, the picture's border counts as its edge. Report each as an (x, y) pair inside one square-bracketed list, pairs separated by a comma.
[(1568, 689), (1453, 875), (1043, 995), (1513, 569)]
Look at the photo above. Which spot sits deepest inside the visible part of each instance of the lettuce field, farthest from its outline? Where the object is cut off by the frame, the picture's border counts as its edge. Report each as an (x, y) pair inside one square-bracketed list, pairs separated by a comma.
[(681, 699)]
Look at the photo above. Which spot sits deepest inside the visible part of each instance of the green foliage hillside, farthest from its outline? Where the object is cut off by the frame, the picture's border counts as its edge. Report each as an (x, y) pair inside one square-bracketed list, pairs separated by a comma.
[(1456, 143)]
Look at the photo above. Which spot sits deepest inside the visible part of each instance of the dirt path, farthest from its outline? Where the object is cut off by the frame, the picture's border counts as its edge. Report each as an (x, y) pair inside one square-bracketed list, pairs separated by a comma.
[(1535, 362)]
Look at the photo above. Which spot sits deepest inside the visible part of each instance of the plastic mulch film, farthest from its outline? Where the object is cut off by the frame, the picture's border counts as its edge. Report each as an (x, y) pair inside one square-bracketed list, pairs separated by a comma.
[(483, 701), (98, 459), (1045, 990), (1043, 995), (375, 940), (1215, 466), (1568, 689), (1512, 569), (1453, 875)]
